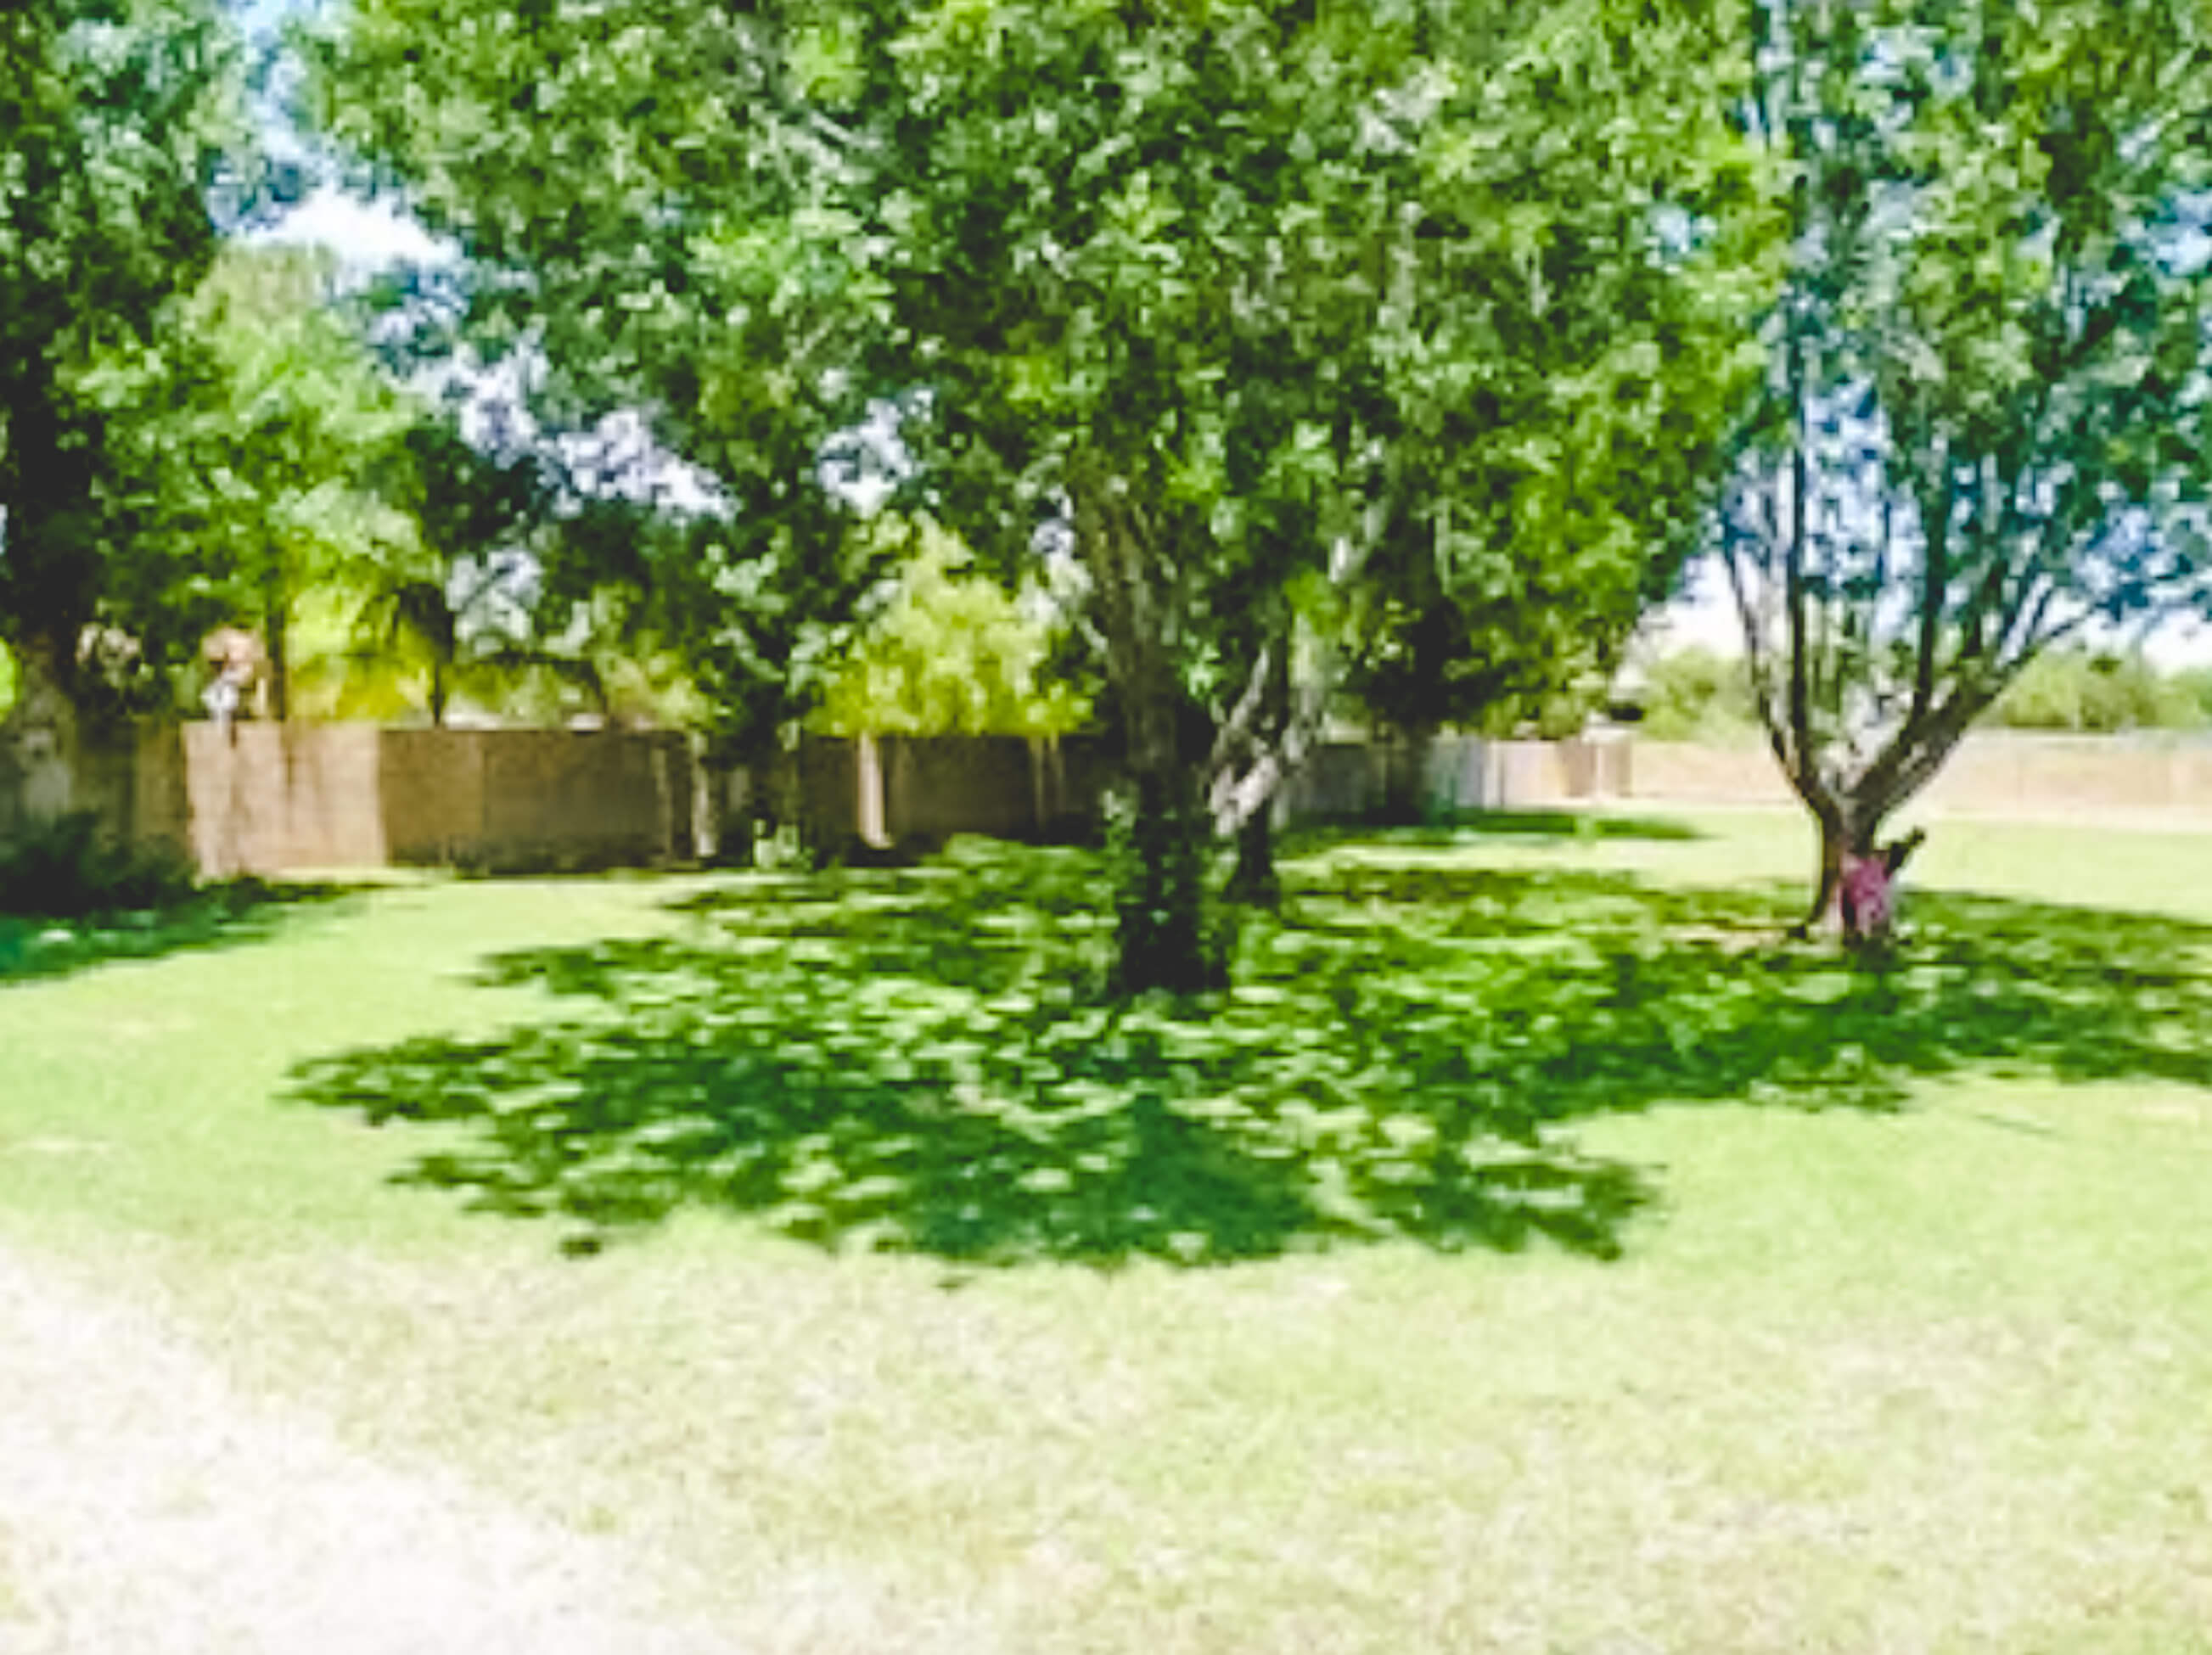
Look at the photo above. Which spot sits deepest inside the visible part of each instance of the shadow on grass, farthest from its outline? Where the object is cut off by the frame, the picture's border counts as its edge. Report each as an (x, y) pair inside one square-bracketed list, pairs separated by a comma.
[(913, 1059), (217, 916)]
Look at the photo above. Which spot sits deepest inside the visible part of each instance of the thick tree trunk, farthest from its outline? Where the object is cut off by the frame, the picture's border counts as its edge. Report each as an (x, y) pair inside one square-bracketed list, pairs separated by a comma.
[(1854, 893), (1160, 847), (1834, 848), (1165, 936)]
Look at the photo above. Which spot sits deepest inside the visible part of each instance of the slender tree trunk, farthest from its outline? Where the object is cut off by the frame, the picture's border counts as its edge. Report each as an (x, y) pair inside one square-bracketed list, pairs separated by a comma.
[(1255, 881), (273, 626), (1263, 750)]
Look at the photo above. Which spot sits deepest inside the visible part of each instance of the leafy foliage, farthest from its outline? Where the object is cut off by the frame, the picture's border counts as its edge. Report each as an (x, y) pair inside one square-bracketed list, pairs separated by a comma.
[(267, 475), (124, 123), (2197, 683), (1694, 693), (67, 868), (642, 200), (445, 595)]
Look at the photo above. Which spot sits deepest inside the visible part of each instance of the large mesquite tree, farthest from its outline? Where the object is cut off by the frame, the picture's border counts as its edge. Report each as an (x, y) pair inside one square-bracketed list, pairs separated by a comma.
[(1351, 315), (1220, 295), (1985, 420)]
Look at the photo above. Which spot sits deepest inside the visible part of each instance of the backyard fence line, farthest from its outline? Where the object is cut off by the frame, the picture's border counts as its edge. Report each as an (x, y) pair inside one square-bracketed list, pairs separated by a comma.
[(264, 797), (258, 797), (892, 791)]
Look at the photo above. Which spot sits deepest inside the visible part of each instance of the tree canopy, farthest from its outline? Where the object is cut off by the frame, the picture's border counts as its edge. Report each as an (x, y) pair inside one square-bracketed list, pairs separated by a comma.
[(126, 139), (643, 205)]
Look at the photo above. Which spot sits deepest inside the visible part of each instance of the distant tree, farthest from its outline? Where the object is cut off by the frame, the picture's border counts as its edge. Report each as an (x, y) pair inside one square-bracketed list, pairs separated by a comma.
[(1693, 693), (454, 592), (2197, 683), (951, 652), (1985, 424), (2081, 689), (271, 475)]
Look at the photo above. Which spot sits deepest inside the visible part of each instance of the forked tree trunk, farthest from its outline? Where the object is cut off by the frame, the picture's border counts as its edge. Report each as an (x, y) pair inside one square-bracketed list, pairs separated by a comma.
[(1848, 813), (1849, 833)]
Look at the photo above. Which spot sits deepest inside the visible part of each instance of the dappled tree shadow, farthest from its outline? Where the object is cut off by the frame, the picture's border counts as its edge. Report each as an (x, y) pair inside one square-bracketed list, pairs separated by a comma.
[(225, 915), (916, 1058)]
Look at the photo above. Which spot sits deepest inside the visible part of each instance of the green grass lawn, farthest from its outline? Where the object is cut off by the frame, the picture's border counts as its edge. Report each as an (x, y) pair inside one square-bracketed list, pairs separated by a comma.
[(1536, 1253)]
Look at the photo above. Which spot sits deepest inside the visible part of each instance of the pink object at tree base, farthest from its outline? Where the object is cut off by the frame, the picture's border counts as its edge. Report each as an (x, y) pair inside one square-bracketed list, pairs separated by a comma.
[(1867, 896)]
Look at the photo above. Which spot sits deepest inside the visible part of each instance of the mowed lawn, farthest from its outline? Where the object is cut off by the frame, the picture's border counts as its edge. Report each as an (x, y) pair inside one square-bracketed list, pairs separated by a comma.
[(1536, 1254)]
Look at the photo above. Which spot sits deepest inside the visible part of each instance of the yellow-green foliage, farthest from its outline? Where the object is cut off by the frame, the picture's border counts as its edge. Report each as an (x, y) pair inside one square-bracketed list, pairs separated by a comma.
[(952, 652)]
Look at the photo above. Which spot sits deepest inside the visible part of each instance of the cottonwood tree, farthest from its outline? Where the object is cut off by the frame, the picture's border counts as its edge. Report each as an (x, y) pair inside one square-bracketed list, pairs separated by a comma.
[(1984, 426)]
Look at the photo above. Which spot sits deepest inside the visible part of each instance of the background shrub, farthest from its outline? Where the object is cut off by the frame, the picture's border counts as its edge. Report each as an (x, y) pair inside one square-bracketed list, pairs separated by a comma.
[(66, 868)]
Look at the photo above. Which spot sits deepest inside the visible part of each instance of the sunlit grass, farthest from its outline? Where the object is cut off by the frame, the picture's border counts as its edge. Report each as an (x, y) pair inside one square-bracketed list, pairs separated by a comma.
[(1905, 1344)]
